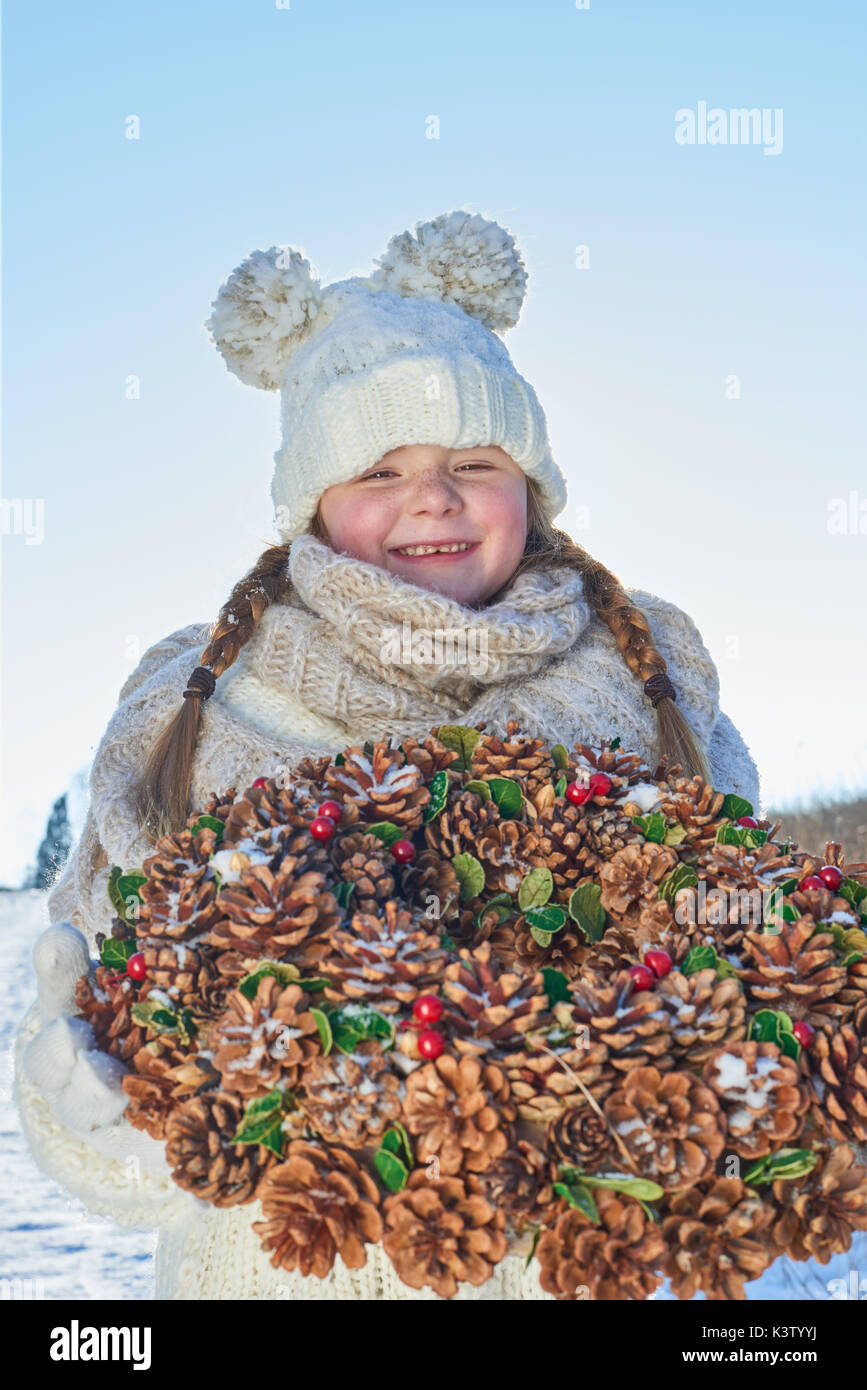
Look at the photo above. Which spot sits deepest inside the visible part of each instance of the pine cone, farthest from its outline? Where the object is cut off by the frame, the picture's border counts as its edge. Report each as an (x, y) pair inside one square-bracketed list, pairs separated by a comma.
[(458, 1107), (458, 826), (580, 1138), (269, 1038), (152, 1088), (364, 860), (188, 974), (275, 819), (567, 950), (429, 875), (179, 896), (316, 1205), (608, 829), (717, 1238), (501, 849), (385, 960), (559, 840), (351, 1098), (794, 967), (489, 1010), (107, 1008), (430, 756), (693, 804), (671, 1124), (624, 769), (517, 757), (706, 1013), (520, 1184), (440, 1232), (617, 1259), (819, 1212), (203, 1158), (838, 1082), (631, 877), (280, 915), (544, 1085), (761, 1092), (636, 1031), (383, 787)]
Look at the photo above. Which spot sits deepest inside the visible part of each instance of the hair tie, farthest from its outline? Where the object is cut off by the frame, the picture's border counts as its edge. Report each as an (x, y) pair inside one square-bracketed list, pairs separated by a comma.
[(658, 686), (201, 683)]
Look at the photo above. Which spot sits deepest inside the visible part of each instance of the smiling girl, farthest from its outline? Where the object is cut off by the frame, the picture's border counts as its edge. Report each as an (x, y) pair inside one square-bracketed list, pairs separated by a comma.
[(414, 484)]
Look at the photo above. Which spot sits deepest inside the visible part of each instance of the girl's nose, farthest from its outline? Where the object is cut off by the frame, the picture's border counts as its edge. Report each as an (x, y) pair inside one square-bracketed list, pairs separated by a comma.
[(433, 491)]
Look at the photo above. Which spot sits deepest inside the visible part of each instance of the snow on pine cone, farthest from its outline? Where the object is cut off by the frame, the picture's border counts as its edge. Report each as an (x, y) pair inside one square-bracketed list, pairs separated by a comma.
[(447, 1045)]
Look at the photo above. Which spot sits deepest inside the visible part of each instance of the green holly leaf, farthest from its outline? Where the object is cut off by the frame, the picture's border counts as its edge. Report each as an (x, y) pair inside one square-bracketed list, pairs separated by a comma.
[(548, 919), (743, 835), (447, 941), (114, 954), (391, 1169), (339, 760), (774, 1025), (535, 1242), (471, 875), (262, 1121), (544, 938), (682, 876), (614, 744), (536, 888), (124, 895), (507, 795), (352, 1024), (652, 827), (209, 823), (396, 1141), (734, 807), (386, 831), (556, 986), (674, 834), (560, 787), (699, 958), (560, 755), (153, 1015), (285, 973), (586, 909), (501, 903), (439, 791), (461, 739), (642, 1189), (343, 892), (326, 1037), (481, 789), (577, 1195), (784, 1165), (853, 891)]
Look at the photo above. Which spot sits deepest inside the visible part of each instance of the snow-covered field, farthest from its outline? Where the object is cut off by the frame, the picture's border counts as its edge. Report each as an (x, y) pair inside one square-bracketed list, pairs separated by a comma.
[(50, 1246)]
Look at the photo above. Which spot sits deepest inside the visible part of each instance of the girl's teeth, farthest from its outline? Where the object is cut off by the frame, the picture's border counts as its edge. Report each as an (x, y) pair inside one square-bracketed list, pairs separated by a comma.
[(433, 549)]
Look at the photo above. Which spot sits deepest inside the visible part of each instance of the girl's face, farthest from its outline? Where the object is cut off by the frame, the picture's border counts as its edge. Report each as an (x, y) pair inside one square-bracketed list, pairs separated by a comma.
[(423, 494)]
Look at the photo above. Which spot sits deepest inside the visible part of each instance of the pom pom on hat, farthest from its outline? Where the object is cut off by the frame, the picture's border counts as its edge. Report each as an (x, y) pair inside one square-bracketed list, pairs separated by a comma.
[(263, 312)]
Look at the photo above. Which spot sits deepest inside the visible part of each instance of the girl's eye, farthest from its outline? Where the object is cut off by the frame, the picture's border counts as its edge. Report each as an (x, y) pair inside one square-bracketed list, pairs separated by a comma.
[(380, 472)]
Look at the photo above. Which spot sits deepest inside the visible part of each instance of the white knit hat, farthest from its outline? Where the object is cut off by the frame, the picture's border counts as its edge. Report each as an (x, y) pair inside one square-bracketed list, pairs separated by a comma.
[(407, 355)]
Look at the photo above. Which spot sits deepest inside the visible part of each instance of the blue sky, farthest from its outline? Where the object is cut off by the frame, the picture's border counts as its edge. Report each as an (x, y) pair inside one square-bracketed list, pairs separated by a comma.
[(306, 125)]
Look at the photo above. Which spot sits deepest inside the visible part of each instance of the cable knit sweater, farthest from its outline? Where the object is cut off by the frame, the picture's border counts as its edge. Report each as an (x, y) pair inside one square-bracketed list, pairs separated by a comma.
[(330, 666)]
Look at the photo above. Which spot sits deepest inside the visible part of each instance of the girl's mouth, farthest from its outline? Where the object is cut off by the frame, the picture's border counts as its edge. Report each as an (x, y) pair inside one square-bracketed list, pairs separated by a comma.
[(449, 552)]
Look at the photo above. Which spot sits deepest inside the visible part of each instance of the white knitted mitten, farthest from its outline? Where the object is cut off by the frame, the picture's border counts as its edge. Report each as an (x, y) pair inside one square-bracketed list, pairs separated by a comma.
[(81, 1085)]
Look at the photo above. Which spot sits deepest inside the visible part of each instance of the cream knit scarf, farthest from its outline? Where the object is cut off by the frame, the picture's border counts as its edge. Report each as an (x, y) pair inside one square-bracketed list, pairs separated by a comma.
[(373, 650)]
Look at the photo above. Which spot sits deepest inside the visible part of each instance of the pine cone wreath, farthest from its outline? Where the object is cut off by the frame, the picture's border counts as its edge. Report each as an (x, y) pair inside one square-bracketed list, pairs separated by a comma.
[(717, 1238), (580, 1137), (459, 1108), (794, 967), (516, 757), (671, 1123), (383, 787), (545, 1083), (318, 1204), (520, 1184), (633, 1027), (364, 861), (268, 1039), (203, 1159), (280, 915), (817, 1214), (385, 960), (351, 1098), (762, 1094), (440, 1232), (559, 840), (631, 878), (179, 895), (488, 1010), (707, 1013), (617, 1259), (838, 1081)]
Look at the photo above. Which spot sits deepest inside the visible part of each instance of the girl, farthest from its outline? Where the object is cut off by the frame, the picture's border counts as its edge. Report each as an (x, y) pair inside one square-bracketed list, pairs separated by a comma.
[(406, 428)]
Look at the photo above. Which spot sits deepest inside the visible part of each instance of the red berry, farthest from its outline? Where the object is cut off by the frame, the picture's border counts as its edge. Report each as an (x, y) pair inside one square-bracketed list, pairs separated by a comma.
[(642, 977), (332, 809), (427, 1008), (259, 782), (321, 828), (600, 784), (803, 1032), (135, 966), (578, 793), (403, 851), (660, 962), (831, 876), (811, 881), (748, 821), (431, 1043)]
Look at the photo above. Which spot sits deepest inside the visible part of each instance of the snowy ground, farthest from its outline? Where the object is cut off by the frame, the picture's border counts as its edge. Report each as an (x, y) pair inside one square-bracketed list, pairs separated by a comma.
[(50, 1246)]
